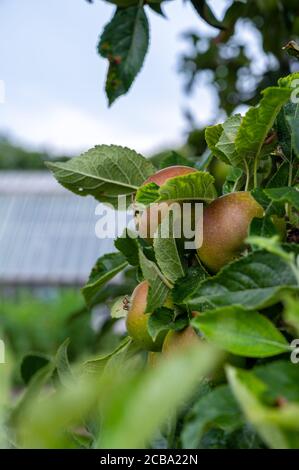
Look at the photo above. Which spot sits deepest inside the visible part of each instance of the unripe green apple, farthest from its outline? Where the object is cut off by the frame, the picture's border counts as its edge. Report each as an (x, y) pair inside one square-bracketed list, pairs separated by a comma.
[(225, 226), (137, 320), (151, 217), (220, 171)]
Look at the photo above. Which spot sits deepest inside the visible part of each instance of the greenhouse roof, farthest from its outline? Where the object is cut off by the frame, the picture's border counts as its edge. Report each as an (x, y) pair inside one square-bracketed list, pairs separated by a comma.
[(47, 234)]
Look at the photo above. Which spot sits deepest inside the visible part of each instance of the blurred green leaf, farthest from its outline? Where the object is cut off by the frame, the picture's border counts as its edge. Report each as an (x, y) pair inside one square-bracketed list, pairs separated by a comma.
[(217, 409), (278, 426), (5, 390), (31, 393), (117, 400), (96, 365), (129, 420), (282, 380), (31, 364)]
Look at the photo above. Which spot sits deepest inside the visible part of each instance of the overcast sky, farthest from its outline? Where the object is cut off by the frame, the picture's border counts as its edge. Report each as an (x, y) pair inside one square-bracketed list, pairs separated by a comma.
[(54, 79)]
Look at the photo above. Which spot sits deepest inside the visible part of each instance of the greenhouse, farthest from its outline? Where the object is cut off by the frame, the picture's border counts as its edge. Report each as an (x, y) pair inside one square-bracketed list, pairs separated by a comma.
[(47, 235)]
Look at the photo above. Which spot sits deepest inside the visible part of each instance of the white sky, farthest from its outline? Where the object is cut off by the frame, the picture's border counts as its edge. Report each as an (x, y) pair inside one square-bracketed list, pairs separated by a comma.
[(54, 78)]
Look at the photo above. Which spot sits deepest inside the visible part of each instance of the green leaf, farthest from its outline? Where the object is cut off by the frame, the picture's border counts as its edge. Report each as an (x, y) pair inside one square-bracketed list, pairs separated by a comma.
[(273, 245), (270, 207), (174, 158), (217, 409), (291, 313), (147, 194), (282, 380), (280, 177), (195, 186), (258, 121), (117, 309), (104, 171), (186, 285), (226, 142), (277, 426), (63, 366), (157, 8), (31, 364), (241, 332), (233, 179), (158, 290), (262, 227), (124, 43), (164, 319), (105, 269), (288, 80), (136, 410), (283, 129), (212, 135), (206, 13), (128, 245), (288, 119), (31, 393), (255, 281), (293, 122), (283, 195), (5, 402), (244, 437), (97, 364), (166, 251)]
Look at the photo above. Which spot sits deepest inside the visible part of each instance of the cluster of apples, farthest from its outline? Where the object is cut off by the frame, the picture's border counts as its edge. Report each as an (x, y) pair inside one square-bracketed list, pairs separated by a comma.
[(225, 226)]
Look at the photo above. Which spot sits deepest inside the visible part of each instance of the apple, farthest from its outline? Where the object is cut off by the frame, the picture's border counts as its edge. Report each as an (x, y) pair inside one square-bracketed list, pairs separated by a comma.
[(225, 226), (137, 320), (151, 217)]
